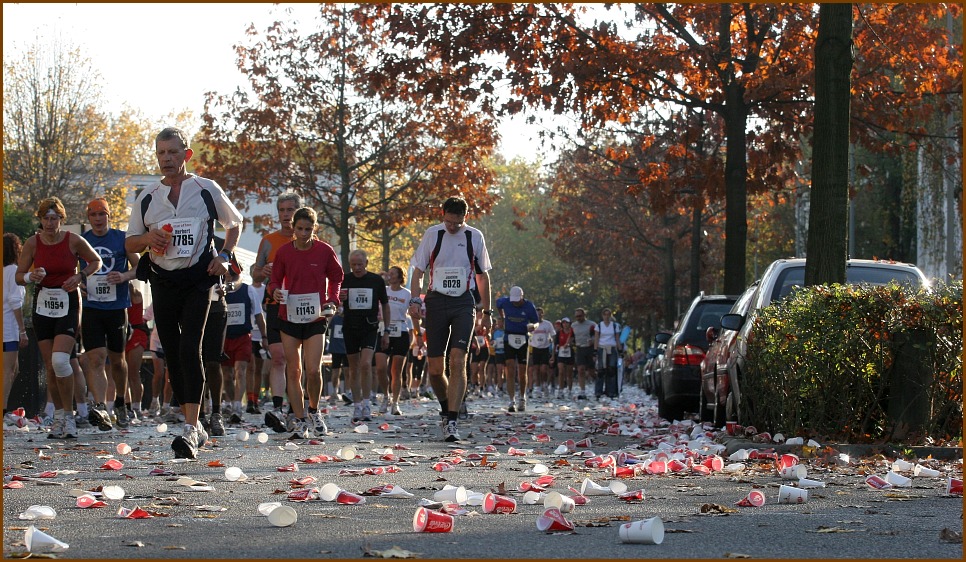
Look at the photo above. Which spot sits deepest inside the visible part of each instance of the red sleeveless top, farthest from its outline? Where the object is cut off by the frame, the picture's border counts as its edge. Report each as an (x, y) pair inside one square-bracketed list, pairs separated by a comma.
[(57, 259), (135, 313)]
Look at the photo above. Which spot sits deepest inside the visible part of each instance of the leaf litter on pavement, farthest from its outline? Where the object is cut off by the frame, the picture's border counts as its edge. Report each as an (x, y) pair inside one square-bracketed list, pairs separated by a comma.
[(647, 439)]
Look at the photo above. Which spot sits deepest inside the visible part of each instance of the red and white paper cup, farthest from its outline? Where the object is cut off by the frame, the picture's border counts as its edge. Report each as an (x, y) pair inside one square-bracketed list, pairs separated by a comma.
[(877, 482), (791, 494), (793, 472), (646, 531), (87, 501), (348, 498), (954, 486), (552, 520), (714, 462), (495, 503), (787, 460), (755, 498), (430, 521)]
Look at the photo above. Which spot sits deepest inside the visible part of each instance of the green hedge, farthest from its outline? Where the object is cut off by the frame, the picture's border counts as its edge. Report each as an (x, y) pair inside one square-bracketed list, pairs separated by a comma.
[(821, 363)]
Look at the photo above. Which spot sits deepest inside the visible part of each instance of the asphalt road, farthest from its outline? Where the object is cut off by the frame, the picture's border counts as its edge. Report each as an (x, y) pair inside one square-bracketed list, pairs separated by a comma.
[(845, 519)]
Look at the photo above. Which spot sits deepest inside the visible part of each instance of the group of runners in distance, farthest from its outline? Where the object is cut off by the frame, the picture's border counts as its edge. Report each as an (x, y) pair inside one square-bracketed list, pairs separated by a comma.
[(213, 333)]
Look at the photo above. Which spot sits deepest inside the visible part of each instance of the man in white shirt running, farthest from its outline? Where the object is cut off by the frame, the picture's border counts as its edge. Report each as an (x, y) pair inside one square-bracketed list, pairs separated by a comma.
[(454, 254)]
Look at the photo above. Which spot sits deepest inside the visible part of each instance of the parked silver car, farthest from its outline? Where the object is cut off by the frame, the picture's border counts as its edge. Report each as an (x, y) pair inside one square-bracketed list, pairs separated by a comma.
[(777, 282)]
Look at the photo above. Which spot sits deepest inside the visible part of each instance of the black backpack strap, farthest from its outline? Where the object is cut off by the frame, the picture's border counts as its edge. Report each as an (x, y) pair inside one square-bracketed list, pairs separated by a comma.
[(474, 266), (212, 215), (439, 244), (144, 208)]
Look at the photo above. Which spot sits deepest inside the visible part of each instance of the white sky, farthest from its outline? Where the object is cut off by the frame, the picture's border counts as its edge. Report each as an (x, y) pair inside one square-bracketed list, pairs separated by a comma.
[(129, 46)]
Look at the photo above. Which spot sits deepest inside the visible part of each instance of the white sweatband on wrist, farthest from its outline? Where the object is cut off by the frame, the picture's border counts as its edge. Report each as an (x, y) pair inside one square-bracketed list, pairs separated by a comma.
[(61, 363)]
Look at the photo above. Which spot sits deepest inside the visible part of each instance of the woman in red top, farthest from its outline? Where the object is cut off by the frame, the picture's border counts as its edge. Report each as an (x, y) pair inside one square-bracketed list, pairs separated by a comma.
[(564, 349), (306, 276), (134, 350), (54, 253)]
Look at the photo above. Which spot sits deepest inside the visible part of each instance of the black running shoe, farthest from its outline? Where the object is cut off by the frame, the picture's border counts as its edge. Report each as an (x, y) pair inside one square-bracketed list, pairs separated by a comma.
[(97, 415), (216, 425), (186, 445), (273, 419), (452, 435)]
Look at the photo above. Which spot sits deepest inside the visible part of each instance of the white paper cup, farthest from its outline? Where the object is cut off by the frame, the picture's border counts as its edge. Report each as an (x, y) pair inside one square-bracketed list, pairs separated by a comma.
[(35, 512), (113, 492), (329, 492), (898, 480), (474, 498), (242, 435), (564, 503), (161, 428), (791, 494), (532, 497), (739, 455), (809, 483), (266, 507), (902, 465), (361, 428), (123, 449), (347, 452), (920, 470), (284, 293), (262, 437), (451, 494), (290, 446), (235, 474), (283, 516), (39, 541), (540, 469), (617, 486), (646, 531), (590, 488), (794, 472)]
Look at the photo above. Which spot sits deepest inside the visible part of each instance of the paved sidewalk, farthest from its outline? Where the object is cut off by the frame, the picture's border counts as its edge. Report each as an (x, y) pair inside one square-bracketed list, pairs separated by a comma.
[(219, 518)]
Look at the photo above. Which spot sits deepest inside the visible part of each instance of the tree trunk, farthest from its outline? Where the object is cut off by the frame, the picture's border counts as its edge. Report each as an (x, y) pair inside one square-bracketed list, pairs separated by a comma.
[(698, 203), (736, 196), (670, 285), (735, 116), (828, 220)]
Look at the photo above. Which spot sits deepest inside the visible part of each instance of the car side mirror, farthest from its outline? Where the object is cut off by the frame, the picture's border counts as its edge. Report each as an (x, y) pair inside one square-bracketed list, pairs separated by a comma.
[(662, 337), (732, 321)]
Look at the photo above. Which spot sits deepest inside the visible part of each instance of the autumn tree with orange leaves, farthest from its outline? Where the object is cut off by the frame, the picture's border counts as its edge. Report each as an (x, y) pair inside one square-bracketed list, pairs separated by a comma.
[(370, 160), (638, 240), (748, 67)]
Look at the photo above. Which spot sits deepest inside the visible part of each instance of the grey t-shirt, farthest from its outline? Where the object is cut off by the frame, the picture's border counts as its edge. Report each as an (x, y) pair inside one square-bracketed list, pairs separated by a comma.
[(582, 333)]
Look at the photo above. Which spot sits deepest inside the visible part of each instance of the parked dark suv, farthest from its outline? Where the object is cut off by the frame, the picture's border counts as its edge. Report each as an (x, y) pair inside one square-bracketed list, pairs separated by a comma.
[(678, 373)]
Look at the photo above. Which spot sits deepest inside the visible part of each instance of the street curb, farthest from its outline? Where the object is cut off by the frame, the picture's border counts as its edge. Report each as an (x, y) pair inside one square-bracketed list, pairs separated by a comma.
[(853, 450)]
